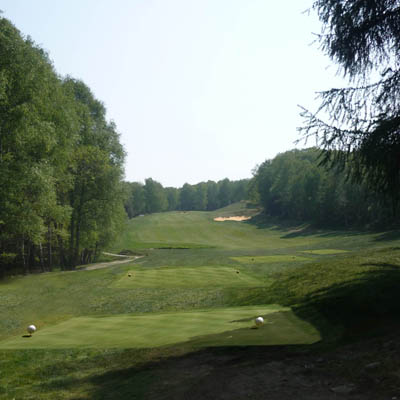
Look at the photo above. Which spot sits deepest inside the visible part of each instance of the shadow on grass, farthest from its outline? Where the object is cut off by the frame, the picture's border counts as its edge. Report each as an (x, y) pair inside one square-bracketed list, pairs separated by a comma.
[(352, 309), (170, 372), (366, 306), (388, 236), (296, 229), (196, 374)]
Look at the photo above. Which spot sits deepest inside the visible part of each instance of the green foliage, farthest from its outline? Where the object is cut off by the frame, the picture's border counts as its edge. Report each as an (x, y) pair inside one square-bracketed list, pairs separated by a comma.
[(60, 162), (135, 202), (204, 196), (362, 121), (224, 192), (155, 197), (294, 185), (212, 196), (172, 198)]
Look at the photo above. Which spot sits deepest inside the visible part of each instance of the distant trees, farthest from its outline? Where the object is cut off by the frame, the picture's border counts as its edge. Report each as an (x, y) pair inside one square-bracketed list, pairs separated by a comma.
[(172, 198), (187, 197), (295, 186), (224, 192), (61, 163), (204, 196), (212, 196), (135, 202), (155, 196)]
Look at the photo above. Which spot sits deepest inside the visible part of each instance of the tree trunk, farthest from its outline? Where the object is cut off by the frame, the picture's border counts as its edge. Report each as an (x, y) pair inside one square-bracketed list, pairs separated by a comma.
[(41, 257), (78, 226), (31, 257), (63, 260), (23, 255), (49, 249)]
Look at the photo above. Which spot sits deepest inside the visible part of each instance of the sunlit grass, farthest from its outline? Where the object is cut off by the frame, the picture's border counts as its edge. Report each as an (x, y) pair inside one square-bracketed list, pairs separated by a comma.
[(269, 259), (155, 329), (325, 251), (187, 277)]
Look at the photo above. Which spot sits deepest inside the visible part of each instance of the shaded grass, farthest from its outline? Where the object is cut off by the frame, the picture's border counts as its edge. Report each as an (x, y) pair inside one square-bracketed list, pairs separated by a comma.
[(339, 294)]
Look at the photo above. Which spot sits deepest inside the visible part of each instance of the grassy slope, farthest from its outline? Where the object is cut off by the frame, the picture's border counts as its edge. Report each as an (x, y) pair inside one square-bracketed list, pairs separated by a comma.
[(337, 286)]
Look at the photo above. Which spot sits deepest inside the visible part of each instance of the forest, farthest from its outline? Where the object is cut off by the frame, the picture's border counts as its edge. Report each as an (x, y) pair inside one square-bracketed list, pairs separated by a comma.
[(61, 163), (294, 185)]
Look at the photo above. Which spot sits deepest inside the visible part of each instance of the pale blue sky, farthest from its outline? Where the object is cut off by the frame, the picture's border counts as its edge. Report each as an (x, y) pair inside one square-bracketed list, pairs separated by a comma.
[(199, 89)]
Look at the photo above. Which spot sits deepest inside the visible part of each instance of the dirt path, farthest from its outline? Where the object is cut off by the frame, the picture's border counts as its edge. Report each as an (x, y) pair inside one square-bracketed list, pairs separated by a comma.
[(107, 264)]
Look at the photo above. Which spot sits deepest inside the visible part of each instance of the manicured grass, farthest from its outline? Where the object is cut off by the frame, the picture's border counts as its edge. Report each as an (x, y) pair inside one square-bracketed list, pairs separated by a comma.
[(187, 277), (198, 230), (325, 251), (153, 330), (269, 259)]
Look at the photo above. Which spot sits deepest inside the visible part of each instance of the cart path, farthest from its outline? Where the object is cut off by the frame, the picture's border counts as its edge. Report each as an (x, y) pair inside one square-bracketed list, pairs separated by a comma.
[(107, 264)]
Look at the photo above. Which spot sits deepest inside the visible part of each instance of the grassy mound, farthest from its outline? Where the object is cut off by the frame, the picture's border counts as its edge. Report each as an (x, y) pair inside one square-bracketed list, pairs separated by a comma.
[(219, 327)]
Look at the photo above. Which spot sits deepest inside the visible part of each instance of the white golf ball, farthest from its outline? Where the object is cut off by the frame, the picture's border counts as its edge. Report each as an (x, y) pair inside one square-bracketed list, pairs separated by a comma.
[(259, 321), (31, 329)]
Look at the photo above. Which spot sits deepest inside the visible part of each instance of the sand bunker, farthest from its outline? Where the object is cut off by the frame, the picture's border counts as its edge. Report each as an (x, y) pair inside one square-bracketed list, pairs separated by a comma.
[(236, 218)]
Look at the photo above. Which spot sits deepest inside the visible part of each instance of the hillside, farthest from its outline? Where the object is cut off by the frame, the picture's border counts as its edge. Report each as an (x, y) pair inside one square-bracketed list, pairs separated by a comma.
[(180, 319)]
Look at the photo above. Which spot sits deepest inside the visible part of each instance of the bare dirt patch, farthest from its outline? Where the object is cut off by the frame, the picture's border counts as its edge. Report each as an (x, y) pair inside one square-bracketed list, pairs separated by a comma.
[(237, 218)]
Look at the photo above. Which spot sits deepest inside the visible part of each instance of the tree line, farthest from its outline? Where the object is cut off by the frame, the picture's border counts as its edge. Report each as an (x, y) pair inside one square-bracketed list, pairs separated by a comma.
[(61, 163), (294, 185), (152, 197)]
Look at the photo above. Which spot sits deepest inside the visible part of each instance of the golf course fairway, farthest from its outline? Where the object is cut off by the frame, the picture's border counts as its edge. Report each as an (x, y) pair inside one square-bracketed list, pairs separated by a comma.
[(217, 327), (187, 277)]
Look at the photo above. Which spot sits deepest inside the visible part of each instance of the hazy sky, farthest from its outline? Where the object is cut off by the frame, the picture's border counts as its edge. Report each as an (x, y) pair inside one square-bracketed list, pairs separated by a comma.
[(199, 89)]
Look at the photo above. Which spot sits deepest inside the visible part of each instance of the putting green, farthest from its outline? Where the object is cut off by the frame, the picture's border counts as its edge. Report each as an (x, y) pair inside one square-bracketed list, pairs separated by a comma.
[(325, 251), (187, 277), (268, 259), (218, 327)]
